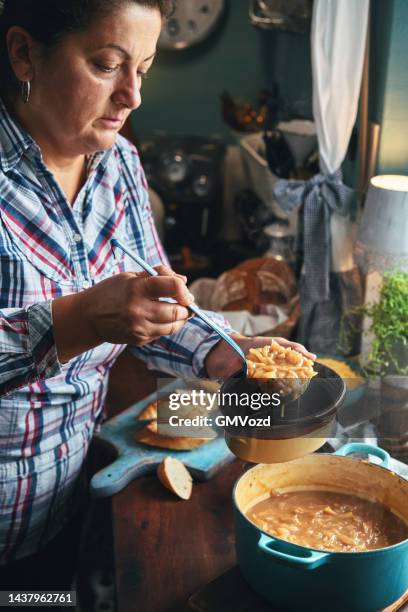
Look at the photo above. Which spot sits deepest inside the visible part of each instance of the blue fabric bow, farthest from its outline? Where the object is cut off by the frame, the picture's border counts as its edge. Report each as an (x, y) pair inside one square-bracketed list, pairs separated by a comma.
[(319, 197)]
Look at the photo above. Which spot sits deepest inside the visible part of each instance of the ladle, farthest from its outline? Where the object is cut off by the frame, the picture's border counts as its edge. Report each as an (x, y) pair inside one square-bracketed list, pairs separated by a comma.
[(193, 307)]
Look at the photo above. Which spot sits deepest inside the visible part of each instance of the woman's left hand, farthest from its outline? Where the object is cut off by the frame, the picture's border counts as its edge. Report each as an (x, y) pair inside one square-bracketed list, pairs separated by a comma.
[(222, 361)]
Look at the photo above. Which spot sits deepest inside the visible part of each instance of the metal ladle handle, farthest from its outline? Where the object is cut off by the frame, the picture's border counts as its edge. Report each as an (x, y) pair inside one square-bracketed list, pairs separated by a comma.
[(193, 307)]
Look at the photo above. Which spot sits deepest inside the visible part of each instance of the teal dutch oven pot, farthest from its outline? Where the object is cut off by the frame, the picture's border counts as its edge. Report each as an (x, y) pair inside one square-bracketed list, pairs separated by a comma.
[(294, 577)]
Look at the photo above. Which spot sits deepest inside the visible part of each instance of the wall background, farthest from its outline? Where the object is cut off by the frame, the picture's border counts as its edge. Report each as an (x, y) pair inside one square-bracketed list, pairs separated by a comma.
[(389, 82), (182, 92)]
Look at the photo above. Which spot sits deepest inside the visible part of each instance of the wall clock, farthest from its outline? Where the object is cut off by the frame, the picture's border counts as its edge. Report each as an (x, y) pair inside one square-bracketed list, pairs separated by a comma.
[(191, 22)]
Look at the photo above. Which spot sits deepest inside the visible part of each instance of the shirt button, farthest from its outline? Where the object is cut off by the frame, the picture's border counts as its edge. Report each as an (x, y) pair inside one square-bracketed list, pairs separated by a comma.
[(86, 284), (77, 237)]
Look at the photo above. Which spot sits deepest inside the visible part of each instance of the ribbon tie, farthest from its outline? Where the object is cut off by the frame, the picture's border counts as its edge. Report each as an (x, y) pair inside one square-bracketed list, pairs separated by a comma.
[(318, 198)]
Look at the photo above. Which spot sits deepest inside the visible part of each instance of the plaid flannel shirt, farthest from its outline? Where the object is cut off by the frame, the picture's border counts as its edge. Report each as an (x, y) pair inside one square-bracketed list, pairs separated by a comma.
[(48, 249)]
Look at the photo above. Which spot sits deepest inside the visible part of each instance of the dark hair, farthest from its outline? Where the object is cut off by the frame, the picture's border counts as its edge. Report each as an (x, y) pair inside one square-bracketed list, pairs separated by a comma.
[(48, 21)]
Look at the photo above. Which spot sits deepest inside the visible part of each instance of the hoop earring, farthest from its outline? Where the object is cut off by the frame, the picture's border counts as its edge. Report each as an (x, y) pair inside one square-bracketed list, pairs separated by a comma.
[(25, 91)]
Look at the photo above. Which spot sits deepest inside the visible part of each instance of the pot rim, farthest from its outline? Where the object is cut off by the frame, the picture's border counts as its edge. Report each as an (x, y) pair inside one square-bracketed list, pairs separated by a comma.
[(374, 551), (307, 432), (290, 426)]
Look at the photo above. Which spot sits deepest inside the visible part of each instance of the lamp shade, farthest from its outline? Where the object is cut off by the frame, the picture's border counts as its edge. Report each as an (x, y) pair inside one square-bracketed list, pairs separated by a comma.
[(382, 240)]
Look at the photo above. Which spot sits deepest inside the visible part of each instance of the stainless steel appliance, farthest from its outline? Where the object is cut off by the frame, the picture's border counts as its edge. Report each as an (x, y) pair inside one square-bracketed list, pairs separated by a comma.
[(186, 172)]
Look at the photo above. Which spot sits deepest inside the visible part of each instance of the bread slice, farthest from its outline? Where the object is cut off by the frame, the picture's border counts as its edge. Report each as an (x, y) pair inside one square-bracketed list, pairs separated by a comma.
[(148, 434), (174, 475), (149, 413), (151, 438)]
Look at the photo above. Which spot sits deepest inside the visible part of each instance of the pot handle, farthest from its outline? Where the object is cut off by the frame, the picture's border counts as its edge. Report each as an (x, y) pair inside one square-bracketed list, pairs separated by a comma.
[(310, 559), (367, 449)]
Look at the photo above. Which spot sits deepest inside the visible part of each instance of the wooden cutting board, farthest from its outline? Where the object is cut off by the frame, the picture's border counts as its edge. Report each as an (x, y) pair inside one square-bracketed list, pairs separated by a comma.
[(134, 459), (231, 592)]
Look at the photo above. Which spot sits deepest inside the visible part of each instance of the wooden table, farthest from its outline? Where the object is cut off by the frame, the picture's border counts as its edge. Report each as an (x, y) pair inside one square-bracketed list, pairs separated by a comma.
[(166, 549)]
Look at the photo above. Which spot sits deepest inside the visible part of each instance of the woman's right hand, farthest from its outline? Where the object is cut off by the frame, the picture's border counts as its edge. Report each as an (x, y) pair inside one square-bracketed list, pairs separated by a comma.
[(122, 309)]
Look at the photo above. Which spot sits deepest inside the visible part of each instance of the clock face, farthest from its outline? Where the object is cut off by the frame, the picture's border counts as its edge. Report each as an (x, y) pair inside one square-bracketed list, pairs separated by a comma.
[(191, 22)]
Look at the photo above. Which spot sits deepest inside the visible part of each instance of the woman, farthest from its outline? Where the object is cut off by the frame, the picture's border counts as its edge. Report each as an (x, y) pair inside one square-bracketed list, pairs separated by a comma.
[(72, 72)]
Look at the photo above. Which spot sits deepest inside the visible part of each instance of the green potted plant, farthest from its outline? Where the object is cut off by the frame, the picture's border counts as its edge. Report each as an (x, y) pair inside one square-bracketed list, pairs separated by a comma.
[(388, 360), (389, 327)]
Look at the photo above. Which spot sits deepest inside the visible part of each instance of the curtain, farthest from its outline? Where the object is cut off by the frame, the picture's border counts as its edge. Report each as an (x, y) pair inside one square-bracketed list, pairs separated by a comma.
[(330, 282)]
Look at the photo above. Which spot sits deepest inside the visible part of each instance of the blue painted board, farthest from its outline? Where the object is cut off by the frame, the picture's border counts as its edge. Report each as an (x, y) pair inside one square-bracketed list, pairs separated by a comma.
[(135, 459)]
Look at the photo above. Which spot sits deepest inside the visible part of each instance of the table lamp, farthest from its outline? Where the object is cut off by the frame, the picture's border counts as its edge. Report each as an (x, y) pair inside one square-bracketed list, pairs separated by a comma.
[(382, 240), (382, 246)]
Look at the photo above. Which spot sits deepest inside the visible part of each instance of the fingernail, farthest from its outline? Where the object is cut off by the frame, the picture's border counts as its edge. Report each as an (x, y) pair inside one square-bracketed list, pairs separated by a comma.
[(191, 296)]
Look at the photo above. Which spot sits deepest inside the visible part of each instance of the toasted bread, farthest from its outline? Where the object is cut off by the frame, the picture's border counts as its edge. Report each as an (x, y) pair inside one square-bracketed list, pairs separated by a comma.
[(168, 438), (149, 413), (151, 438), (174, 475)]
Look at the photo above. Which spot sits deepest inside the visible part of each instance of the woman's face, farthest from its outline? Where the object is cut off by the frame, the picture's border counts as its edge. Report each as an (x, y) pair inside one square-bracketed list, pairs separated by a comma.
[(85, 89)]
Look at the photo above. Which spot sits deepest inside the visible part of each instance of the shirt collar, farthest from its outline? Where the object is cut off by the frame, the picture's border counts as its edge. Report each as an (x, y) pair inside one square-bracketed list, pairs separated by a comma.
[(14, 142), (100, 158)]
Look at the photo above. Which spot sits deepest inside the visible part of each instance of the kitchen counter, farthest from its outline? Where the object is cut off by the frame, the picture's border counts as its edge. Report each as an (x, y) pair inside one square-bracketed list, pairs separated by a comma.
[(166, 549)]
